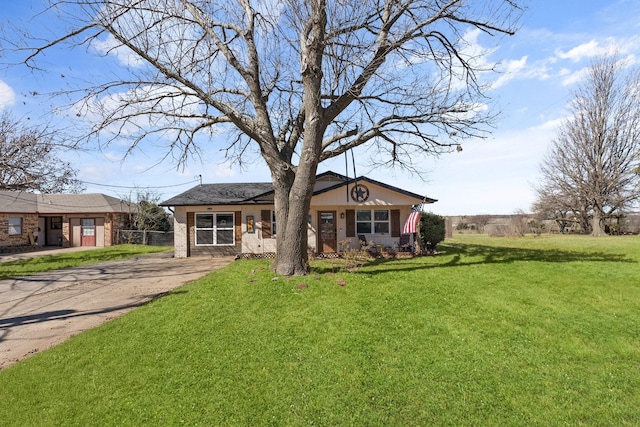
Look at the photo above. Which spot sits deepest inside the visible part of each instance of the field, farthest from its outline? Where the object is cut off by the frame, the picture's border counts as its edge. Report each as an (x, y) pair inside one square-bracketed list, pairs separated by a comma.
[(492, 331)]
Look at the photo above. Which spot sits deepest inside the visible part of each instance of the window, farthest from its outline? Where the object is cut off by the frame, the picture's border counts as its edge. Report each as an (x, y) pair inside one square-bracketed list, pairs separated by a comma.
[(381, 222), (214, 229), (372, 222), (15, 225), (56, 223), (88, 227)]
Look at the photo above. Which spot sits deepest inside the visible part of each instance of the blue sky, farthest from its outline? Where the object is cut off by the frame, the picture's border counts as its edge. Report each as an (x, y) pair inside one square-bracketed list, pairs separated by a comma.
[(541, 66)]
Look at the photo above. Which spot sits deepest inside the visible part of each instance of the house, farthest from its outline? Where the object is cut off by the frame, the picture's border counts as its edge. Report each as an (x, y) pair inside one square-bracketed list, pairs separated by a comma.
[(59, 219), (235, 219)]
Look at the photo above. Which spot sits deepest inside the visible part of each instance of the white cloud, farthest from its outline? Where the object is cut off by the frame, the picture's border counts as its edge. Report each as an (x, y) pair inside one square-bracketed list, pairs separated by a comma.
[(512, 69), (564, 72), (594, 48), (585, 50), (552, 124), (575, 77), (136, 111), (110, 46), (473, 51), (474, 54), (7, 95), (113, 156), (556, 66)]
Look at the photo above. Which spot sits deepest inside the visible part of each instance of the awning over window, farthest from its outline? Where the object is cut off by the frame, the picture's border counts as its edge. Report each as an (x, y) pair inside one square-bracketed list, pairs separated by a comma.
[(412, 223)]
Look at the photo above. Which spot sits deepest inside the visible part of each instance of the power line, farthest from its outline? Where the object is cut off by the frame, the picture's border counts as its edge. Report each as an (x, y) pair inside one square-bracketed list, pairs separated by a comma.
[(137, 186)]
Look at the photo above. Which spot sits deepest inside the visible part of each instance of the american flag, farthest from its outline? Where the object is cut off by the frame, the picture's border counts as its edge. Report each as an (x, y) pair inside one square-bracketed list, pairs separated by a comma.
[(412, 222)]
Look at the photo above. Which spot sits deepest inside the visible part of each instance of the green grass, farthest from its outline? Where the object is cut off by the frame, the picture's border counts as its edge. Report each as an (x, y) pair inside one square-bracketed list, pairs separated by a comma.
[(44, 263), (493, 331)]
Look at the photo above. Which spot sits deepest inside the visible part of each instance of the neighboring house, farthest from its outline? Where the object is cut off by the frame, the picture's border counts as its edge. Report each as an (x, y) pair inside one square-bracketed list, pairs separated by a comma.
[(234, 219), (62, 219)]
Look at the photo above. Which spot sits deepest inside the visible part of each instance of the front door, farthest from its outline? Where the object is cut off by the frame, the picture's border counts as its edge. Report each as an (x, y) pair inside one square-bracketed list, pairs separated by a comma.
[(88, 232), (327, 240)]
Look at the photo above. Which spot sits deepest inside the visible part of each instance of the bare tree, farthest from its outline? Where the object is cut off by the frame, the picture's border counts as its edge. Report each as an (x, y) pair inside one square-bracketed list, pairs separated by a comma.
[(29, 160), (518, 226), (566, 210), (302, 81), (480, 221), (147, 215), (591, 168)]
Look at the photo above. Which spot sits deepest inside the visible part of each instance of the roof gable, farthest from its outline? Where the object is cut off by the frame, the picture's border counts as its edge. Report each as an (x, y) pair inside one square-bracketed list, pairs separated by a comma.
[(365, 179)]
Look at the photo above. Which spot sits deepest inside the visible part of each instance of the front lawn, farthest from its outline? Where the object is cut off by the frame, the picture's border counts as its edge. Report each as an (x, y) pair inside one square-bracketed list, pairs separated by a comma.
[(43, 262), (493, 331)]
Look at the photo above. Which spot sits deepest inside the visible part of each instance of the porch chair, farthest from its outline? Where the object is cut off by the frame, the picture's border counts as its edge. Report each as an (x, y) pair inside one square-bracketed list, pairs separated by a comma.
[(405, 243)]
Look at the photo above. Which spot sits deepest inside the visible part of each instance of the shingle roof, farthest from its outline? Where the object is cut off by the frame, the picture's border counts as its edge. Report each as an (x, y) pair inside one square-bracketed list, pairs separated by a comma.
[(21, 202), (220, 194), (257, 192)]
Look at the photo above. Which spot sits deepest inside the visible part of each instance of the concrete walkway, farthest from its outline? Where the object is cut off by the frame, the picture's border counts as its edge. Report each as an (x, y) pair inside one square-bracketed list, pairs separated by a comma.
[(40, 311), (39, 251)]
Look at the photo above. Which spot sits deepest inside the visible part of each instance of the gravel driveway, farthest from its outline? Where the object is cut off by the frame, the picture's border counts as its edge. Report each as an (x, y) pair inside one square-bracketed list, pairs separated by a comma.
[(40, 311)]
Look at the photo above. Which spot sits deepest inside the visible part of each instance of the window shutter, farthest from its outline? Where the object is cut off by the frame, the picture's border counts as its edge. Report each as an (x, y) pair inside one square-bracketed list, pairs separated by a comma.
[(237, 222), (265, 219), (395, 223), (351, 223)]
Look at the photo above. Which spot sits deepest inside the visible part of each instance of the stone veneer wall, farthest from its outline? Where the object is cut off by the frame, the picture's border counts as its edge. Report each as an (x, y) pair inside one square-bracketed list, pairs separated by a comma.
[(66, 233)]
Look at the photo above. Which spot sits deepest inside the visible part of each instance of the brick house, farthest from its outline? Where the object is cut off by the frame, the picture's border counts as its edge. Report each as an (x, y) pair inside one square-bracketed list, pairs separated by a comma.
[(239, 218), (66, 220)]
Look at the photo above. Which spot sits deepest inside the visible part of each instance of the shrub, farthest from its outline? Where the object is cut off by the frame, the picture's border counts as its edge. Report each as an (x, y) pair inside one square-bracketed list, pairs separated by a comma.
[(431, 231), (354, 259)]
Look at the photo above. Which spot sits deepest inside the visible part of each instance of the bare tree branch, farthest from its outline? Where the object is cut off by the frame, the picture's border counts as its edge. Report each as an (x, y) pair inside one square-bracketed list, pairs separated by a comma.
[(301, 81), (29, 159), (591, 169)]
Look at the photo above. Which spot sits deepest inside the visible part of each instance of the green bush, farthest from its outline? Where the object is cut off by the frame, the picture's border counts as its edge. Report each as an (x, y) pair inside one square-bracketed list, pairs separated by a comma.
[(431, 231)]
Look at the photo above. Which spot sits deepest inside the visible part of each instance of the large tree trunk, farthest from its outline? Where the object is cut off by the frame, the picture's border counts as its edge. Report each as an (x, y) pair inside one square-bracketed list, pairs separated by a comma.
[(292, 257), (291, 221), (597, 225)]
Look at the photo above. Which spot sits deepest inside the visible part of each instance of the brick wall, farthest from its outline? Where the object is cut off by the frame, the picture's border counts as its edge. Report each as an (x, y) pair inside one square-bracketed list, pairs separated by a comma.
[(112, 223), (29, 224)]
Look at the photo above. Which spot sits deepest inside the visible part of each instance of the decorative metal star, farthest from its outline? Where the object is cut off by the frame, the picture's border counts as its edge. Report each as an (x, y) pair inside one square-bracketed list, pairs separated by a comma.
[(360, 193)]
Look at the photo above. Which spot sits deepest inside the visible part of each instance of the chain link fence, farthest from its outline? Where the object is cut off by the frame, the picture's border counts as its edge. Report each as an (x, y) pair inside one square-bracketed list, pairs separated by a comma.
[(143, 237)]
